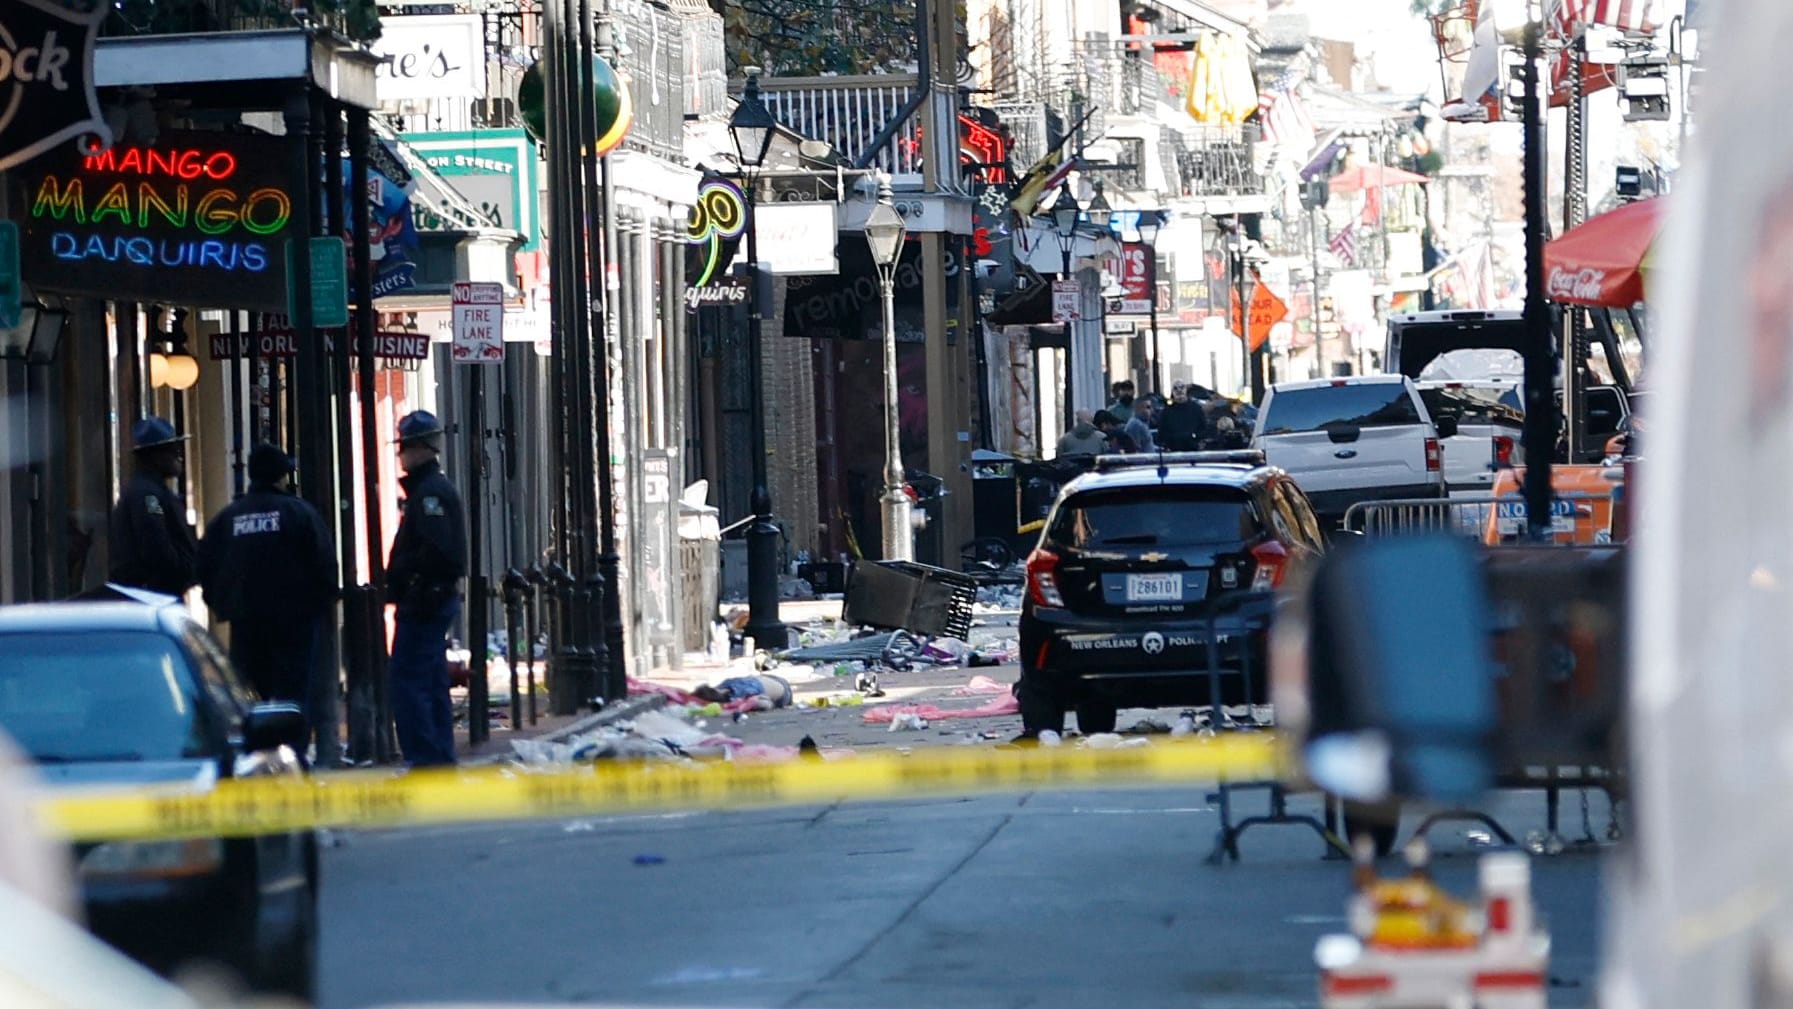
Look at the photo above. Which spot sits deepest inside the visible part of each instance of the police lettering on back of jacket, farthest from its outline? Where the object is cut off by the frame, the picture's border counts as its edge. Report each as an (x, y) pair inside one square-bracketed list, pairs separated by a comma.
[(269, 569)]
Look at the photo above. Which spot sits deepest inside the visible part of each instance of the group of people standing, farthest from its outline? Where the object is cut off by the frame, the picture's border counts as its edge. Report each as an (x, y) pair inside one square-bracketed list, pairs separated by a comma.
[(1134, 423), (267, 566)]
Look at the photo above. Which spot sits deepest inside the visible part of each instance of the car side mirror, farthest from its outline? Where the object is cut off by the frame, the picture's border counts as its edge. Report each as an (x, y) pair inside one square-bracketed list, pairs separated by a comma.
[(1384, 671), (1447, 426), (274, 724)]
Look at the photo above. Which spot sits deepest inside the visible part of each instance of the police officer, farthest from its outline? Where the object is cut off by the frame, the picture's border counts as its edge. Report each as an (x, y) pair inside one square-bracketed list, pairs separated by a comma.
[(269, 569), (429, 558), (152, 547)]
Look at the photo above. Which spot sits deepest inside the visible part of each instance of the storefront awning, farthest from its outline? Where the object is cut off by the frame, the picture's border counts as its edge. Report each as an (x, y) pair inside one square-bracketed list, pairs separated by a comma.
[(469, 249)]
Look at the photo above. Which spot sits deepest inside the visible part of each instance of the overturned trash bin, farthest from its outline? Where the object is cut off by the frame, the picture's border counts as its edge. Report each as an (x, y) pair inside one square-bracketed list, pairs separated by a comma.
[(900, 595)]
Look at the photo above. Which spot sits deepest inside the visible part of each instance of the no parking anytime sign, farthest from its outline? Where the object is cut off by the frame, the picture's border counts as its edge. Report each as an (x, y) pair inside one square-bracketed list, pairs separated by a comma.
[(478, 323)]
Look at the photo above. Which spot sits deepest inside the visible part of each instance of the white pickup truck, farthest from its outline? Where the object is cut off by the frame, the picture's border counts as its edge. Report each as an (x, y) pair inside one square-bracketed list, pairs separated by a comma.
[(1346, 440), (1490, 419)]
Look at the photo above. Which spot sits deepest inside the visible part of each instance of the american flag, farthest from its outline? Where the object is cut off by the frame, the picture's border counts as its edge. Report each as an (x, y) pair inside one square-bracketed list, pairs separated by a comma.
[(1626, 15), (1344, 245), (1282, 115)]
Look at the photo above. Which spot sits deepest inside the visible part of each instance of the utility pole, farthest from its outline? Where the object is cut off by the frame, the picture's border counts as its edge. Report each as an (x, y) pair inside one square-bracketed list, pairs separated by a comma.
[(1313, 243), (940, 179), (1540, 350)]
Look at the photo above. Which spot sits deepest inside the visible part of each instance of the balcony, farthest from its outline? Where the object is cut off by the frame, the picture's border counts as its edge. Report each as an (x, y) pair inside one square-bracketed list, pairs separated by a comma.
[(1214, 160), (353, 19), (848, 113)]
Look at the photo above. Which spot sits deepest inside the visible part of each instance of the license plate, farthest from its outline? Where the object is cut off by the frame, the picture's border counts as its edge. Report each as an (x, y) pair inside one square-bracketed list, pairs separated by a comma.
[(1155, 588)]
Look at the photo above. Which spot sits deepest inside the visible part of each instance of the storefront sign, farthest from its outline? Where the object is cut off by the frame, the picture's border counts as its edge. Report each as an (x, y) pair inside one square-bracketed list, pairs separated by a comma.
[(726, 292), (797, 238), (199, 218), (494, 169), (46, 78), (431, 56), (713, 230), (282, 343)]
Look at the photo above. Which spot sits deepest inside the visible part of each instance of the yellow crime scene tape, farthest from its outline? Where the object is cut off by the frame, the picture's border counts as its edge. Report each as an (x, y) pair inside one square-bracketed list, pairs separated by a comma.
[(242, 807)]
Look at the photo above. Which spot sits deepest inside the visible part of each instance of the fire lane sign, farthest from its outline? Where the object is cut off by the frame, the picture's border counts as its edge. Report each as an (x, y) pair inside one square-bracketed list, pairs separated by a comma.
[(478, 311)]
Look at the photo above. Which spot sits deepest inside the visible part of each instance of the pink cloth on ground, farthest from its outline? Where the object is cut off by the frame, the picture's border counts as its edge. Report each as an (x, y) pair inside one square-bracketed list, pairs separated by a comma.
[(993, 708), (677, 696), (981, 685)]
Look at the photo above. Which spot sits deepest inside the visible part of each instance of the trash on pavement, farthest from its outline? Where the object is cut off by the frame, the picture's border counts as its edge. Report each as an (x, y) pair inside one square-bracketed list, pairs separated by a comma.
[(1114, 741), (1147, 727), (1050, 738), (993, 708), (650, 859), (908, 722)]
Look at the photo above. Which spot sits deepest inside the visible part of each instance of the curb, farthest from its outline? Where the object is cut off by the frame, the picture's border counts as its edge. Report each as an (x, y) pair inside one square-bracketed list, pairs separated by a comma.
[(632, 707)]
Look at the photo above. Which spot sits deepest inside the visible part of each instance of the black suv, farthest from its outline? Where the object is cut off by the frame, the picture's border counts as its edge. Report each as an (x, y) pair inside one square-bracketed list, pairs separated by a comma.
[(1152, 570)]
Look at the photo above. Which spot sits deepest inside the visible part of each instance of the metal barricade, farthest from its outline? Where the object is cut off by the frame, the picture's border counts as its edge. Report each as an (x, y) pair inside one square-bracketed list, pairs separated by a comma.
[(1578, 518), (1466, 515)]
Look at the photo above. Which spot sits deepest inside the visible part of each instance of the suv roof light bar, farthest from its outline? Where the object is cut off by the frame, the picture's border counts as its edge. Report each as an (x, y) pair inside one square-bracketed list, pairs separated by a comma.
[(1142, 460)]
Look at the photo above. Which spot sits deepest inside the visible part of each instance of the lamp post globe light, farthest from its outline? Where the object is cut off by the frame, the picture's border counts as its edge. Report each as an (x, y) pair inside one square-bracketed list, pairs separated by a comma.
[(752, 126), (884, 232), (1065, 214)]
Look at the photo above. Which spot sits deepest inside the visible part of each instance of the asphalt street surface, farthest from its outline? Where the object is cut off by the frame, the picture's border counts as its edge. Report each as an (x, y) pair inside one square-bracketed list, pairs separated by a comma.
[(1085, 898)]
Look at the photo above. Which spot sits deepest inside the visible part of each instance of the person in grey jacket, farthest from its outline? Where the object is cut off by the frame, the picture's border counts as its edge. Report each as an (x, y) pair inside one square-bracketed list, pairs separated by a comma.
[(1083, 438), (1139, 428)]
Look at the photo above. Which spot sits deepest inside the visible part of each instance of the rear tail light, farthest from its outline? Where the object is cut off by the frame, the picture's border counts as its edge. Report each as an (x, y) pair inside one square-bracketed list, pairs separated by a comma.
[(1272, 563), (1434, 456), (1042, 579), (1503, 451)]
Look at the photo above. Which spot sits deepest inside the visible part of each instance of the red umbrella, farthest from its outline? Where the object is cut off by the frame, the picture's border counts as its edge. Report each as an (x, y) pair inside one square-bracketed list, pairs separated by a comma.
[(1354, 180), (1600, 262)]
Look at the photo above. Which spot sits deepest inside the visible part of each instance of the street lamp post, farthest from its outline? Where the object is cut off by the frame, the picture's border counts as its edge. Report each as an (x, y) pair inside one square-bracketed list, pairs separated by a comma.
[(1521, 19), (1065, 212), (1149, 223), (884, 233), (752, 127)]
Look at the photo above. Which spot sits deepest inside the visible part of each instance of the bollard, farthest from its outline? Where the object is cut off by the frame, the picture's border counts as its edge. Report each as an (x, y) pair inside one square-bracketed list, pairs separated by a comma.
[(514, 587)]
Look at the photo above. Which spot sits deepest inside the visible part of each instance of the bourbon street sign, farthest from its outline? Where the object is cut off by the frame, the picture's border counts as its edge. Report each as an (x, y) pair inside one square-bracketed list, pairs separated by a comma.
[(46, 78)]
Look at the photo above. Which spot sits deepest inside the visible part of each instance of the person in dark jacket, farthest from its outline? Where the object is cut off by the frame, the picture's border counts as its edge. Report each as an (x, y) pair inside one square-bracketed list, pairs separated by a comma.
[(1182, 425), (423, 583), (151, 543), (269, 570)]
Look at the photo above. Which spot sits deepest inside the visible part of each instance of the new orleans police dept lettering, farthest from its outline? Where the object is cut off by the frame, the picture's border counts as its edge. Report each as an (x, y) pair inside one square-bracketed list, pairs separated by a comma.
[(255, 523)]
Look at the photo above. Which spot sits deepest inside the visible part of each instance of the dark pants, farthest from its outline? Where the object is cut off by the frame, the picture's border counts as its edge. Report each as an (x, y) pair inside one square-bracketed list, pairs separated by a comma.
[(421, 711), (277, 657)]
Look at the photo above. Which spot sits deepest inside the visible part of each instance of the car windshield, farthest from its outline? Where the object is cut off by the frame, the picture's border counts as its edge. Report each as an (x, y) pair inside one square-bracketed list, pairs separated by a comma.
[(1474, 404), (95, 696), (1168, 516), (1369, 404)]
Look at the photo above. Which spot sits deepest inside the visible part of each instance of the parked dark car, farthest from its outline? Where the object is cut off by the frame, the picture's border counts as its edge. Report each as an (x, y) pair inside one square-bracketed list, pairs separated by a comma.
[(121, 693), (1150, 572)]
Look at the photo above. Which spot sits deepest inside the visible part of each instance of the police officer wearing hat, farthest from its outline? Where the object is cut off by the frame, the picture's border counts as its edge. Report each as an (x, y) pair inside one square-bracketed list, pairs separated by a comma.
[(151, 544), (429, 558), (268, 568)]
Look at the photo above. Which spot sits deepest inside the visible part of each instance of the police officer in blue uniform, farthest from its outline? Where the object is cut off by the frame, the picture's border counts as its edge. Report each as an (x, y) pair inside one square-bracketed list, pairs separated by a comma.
[(269, 569), (151, 545), (423, 582)]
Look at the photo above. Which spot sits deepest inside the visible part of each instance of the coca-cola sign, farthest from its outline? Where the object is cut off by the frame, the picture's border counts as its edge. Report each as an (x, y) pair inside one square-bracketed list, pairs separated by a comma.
[(46, 79), (1575, 285)]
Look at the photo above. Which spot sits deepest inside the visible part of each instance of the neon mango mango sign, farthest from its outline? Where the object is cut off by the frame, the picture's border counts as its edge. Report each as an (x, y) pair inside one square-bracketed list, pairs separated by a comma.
[(200, 217)]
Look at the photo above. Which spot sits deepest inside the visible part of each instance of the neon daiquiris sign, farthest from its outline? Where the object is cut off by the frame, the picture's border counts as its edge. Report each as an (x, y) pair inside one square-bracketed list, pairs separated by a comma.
[(197, 216)]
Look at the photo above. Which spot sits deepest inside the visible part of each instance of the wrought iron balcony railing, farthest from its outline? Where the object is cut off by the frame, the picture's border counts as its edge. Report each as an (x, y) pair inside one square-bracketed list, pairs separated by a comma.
[(355, 19), (848, 113)]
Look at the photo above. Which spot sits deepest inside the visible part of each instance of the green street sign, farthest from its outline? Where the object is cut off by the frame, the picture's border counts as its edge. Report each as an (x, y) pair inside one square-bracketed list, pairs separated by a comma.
[(329, 283), (12, 292)]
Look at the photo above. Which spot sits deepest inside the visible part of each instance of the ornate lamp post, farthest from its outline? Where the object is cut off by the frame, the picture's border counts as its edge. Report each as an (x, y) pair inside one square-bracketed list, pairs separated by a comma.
[(884, 232), (752, 126)]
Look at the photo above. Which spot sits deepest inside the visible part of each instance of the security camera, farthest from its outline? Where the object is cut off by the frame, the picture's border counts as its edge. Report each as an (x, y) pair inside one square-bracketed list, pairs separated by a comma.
[(985, 267)]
